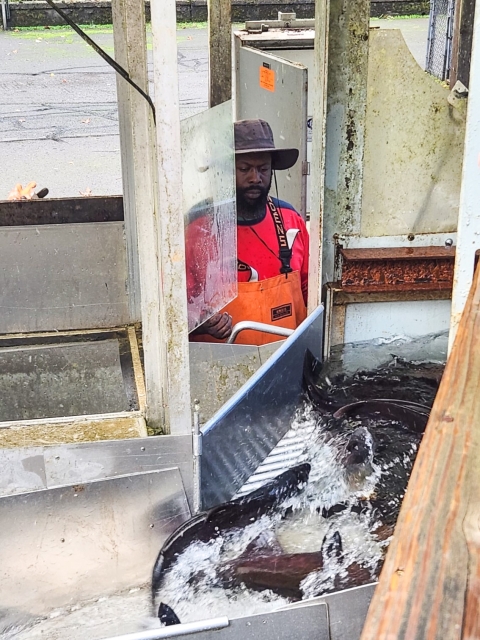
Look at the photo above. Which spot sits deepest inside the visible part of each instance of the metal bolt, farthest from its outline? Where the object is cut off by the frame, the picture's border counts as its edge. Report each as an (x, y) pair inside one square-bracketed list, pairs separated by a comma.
[(411, 237), (151, 526), (449, 242), (62, 539), (142, 448)]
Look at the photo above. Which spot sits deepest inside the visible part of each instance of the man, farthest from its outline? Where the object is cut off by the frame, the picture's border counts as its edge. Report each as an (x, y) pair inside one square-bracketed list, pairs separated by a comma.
[(272, 243)]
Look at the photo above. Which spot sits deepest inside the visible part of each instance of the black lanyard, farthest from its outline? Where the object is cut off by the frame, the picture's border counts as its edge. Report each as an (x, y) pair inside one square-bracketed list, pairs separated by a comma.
[(284, 251)]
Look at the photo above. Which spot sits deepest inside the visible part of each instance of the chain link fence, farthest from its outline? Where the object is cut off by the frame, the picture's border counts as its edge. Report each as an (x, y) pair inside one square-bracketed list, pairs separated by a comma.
[(440, 36)]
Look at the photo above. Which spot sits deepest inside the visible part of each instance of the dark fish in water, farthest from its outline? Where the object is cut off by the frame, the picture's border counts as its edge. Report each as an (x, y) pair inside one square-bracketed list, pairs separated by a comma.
[(283, 573), (234, 514), (385, 412), (167, 615), (411, 388)]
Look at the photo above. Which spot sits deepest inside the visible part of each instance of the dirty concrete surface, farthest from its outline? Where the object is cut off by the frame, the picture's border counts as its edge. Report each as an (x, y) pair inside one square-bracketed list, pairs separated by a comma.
[(58, 111)]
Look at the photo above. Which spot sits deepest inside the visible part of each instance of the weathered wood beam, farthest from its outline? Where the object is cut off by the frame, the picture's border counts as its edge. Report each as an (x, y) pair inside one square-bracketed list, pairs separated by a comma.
[(430, 584), (462, 42), (220, 51)]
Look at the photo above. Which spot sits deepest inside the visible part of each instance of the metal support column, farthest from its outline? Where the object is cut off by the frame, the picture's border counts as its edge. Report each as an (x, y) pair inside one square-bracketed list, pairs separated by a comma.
[(320, 80), (468, 233), (172, 311)]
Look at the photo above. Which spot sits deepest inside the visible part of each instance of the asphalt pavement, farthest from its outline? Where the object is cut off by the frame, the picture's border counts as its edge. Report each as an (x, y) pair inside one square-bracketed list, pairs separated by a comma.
[(58, 110)]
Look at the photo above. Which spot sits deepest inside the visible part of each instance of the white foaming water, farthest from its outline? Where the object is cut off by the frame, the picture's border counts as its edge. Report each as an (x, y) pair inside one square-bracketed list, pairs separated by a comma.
[(193, 587)]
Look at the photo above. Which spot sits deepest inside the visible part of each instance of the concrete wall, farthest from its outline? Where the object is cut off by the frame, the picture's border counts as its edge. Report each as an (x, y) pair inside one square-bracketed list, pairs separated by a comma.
[(29, 14)]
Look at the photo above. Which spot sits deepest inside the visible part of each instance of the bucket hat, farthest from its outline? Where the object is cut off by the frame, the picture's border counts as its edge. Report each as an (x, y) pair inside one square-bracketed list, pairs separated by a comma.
[(256, 136)]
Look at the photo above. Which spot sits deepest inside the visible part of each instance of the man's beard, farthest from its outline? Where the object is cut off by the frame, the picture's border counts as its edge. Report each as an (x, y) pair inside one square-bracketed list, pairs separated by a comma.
[(252, 210)]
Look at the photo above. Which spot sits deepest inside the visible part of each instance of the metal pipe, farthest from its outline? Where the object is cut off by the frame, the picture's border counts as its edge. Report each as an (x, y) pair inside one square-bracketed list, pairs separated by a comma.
[(4, 15), (176, 630), (197, 453), (258, 326)]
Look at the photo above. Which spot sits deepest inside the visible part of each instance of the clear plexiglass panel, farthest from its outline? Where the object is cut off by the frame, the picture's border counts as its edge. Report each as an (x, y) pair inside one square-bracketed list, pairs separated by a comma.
[(208, 176)]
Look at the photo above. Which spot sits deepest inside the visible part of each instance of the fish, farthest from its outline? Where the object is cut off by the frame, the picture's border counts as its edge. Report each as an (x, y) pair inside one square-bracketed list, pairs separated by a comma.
[(392, 391), (283, 573), (382, 432), (167, 615), (237, 513)]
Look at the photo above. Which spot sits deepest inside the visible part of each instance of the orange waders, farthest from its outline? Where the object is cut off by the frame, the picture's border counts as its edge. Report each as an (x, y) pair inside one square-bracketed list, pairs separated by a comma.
[(277, 301)]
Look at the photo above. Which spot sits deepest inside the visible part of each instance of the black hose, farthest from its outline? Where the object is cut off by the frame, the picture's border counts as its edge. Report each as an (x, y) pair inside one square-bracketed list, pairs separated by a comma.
[(119, 69)]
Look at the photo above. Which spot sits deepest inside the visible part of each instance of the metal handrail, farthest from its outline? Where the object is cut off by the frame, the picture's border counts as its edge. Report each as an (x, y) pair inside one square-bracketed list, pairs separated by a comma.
[(258, 326), (176, 630)]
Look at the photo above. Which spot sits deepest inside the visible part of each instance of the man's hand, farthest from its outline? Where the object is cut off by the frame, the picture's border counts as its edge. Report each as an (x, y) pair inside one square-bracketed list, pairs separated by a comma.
[(218, 326)]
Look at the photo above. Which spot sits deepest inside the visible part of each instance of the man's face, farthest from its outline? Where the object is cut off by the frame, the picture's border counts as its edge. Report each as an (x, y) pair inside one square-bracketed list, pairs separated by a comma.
[(254, 177)]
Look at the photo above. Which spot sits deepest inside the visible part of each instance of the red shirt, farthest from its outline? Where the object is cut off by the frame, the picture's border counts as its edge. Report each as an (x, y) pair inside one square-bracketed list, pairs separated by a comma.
[(257, 246), (257, 249)]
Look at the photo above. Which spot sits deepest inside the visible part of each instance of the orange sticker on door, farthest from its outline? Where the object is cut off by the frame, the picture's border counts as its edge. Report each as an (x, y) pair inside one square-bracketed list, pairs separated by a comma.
[(267, 78)]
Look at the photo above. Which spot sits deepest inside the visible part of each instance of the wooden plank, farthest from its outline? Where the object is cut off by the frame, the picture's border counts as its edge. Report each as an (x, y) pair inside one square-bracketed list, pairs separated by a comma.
[(430, 583), (220, 51), (61, 211), (462, 42)]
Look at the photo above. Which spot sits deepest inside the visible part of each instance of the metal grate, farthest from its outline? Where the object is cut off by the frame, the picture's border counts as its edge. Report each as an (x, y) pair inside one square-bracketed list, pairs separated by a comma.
[(440, 35)]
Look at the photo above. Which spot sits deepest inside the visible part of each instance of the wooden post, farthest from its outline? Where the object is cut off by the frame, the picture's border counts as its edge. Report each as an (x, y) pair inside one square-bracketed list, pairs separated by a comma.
[(172, 310), (131, 53), (220, 51), (137, 142), (462, 41), (430, 584), (345, 124), (317, 181), (468, 229)]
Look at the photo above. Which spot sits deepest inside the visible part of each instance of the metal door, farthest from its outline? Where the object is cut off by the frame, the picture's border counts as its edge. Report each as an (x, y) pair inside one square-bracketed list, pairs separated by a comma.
[(275, 90)]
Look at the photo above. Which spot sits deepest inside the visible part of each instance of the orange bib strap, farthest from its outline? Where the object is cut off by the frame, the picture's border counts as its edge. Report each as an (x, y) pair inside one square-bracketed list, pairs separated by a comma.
[(277, 301)]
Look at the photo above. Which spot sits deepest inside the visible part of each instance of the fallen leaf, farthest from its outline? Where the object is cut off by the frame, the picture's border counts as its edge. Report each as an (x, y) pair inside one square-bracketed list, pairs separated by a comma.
[(22, 120), (70, 163), (86, 193), (15, 51), (86, 121), (189, 37), (52, 74), (38, 40), (64, 81)]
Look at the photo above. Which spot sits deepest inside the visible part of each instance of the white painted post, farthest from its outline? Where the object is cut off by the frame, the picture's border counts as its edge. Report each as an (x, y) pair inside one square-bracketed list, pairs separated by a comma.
[(319, 87), (173, 318), (468, 231), (131, 53), (137, 141)]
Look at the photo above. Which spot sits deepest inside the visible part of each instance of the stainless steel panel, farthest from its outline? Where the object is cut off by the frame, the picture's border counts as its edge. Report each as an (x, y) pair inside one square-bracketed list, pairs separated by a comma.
[(277, 108), (217, 371), (60, 546), (347, 611), (21, 470), (310, 622), (71, 463), (239, 437), (208, 193), (48, 381), (67, 276)]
